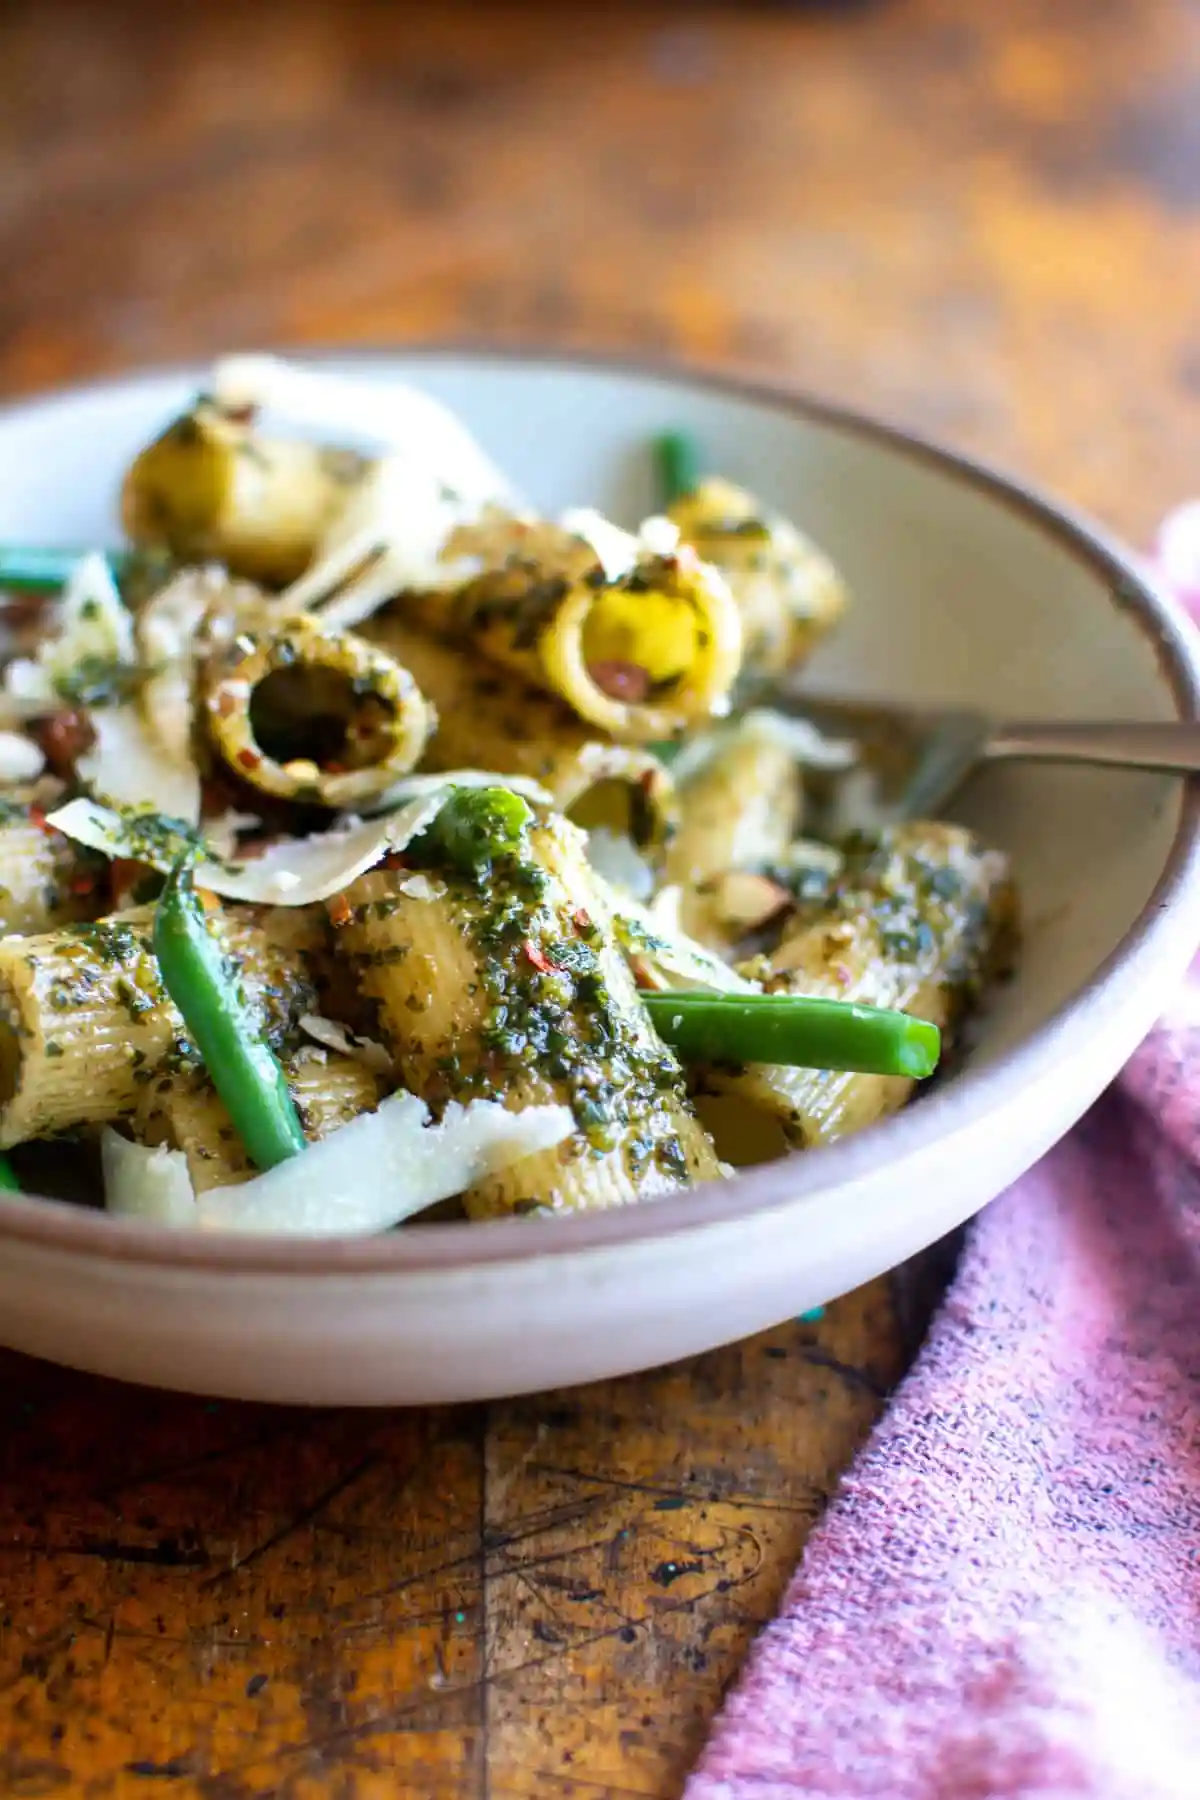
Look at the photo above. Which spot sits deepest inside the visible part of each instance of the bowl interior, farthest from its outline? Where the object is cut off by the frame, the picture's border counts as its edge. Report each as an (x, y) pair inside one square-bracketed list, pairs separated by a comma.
[(961, 595)]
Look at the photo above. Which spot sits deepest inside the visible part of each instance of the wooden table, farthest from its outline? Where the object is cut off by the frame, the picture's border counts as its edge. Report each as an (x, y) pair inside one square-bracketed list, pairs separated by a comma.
[(977, 221)]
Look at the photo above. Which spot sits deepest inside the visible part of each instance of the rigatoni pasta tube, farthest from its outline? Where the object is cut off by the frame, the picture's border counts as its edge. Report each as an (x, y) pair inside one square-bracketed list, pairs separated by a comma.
[(329, 1089), (184, 1111), (486, 719), (640, 652), (509, 986), (739, 812), (212, 488), (85, 1020), (45, 879), (918, 919), (307, 714), (787, 592)]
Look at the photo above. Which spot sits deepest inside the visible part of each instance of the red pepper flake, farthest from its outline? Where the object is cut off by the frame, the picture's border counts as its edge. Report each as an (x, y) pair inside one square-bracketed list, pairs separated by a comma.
[(537, 957), (395, 860), (582, 919), (248, 759), (621, 680), (37, 819), (335, 768), (83, 884), (340, 911)]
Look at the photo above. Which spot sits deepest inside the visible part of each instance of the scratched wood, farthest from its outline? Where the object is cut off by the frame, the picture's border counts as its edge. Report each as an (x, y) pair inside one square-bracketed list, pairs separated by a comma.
[(983, 220)]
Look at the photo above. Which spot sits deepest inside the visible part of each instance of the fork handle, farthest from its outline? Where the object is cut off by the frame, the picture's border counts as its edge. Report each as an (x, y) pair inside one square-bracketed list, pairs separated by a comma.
[(1173, 748)]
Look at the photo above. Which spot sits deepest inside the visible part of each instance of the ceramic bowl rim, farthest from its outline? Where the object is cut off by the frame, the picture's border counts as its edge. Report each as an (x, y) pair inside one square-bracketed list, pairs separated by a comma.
[(966, 1103)]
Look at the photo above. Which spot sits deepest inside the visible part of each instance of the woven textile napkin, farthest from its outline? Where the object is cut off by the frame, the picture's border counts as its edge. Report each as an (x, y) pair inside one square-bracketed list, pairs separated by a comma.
[(1003, 1600)]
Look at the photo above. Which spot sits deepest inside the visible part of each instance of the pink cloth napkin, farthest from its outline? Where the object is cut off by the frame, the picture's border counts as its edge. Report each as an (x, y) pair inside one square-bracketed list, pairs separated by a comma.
[(1003, 1601)]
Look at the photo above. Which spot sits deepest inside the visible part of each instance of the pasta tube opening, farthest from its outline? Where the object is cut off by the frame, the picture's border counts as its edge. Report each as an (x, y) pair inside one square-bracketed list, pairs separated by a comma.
[(640, 654), (488, 722), (315, 716)]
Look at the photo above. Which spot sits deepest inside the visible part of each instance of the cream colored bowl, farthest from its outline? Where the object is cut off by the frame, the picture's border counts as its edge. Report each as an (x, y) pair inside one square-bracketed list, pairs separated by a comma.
[(968, 588)]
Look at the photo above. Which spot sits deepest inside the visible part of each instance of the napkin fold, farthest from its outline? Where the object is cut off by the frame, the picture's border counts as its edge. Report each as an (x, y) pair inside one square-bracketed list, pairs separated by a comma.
[(1003, 1600)]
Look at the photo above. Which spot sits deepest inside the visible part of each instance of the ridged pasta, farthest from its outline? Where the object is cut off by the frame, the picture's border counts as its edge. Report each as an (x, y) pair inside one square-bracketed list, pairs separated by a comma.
[(302, 713), (45, 879), (330, 1089), (639, 655), (85, 1020), (920, 917), (788, 593), (184, 1111), (740, 811), (212, 488), (488, 720), (518, 992)]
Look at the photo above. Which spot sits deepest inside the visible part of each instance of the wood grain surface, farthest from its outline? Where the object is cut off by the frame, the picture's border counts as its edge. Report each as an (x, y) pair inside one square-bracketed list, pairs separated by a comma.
[(982, 220)]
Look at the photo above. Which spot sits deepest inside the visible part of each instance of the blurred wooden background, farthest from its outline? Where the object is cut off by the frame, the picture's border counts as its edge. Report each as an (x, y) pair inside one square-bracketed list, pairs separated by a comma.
[(982, 220)]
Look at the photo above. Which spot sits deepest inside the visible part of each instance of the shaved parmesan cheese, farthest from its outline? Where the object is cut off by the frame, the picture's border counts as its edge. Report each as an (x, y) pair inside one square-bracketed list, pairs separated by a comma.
[(93, 627), (416, 787), (167, 629), (152, 1185), (389, 414), (296, 872), (614, 855), (394, 530), (799, 737), (659, 535), (221, 833), (129, 765), (381, 1168), (662, 959), (93, 622), (617, 549), (20, 758), (335, 1036)]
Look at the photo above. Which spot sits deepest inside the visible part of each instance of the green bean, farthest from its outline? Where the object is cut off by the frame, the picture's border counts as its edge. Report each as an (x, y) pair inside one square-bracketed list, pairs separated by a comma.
[(797, 1030), (678, 466), (243, 1069), (44, 571), (8, 1177), (478, 824)]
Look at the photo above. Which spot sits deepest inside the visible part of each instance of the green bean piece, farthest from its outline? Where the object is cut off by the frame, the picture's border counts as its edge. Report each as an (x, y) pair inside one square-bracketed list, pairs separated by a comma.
[(476, 825), (44, 571), (796, 1030), (678, 466), (243, 1069), (8, 1177)]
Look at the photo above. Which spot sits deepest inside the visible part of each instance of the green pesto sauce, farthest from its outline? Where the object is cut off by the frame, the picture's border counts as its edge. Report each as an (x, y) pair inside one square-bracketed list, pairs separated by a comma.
[(157, 839), (110, 959), (925, 910), (106, 958), (100, 681), (563, 1020)]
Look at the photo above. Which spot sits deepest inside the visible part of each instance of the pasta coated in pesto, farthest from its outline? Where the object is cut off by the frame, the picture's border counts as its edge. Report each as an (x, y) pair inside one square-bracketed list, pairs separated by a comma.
[(452, 786)]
